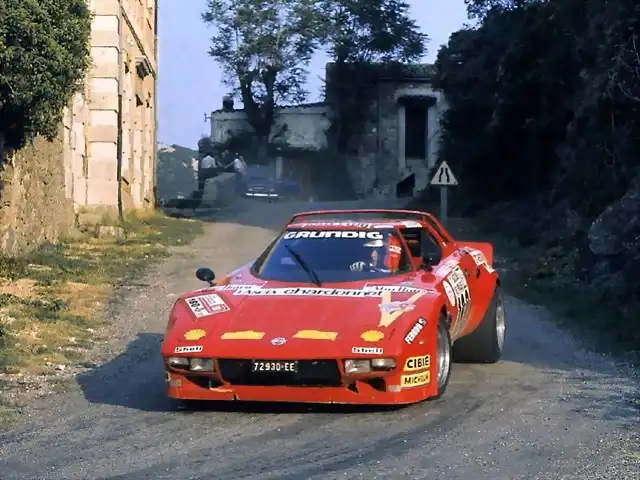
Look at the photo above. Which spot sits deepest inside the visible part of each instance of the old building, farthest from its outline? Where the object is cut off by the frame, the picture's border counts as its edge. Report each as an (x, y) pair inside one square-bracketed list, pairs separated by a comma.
[(111, 127), (395, 147)]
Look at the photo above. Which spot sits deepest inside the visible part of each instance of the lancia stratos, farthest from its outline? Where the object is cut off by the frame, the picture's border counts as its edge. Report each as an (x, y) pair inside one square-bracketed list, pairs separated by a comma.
[(368, 310)]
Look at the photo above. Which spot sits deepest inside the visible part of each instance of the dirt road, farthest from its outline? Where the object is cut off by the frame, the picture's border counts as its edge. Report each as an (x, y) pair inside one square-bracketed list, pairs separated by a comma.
[(550, 410)]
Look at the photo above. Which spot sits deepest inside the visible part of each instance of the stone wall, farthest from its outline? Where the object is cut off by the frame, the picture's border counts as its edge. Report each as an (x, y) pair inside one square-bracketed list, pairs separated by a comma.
[(34, 207)]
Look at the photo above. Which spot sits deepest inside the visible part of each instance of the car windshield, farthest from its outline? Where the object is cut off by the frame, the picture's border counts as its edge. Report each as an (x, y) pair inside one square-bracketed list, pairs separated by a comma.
[(334, 256)]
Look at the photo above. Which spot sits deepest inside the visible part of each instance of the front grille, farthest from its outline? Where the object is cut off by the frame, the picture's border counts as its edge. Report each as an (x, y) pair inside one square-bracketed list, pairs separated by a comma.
[(311, 373)]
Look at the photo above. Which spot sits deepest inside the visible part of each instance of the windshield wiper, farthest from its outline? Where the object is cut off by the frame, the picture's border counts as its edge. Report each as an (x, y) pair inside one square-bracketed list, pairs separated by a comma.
[(312, 275)]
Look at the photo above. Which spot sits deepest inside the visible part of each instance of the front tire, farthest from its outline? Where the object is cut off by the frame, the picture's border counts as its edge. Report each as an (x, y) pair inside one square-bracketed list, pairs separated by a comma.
[(443, 356), (486, 343)]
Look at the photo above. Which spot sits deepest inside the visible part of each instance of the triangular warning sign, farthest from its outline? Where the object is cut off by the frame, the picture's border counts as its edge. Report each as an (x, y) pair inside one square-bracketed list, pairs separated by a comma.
[(444, 176)]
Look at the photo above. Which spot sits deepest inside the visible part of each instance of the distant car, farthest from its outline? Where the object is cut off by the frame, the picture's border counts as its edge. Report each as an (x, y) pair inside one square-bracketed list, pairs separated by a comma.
[(261, 182), (364, 311)]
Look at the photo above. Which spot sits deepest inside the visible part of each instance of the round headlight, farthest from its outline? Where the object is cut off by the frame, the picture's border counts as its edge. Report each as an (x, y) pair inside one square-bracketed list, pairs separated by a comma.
[(201, 365)]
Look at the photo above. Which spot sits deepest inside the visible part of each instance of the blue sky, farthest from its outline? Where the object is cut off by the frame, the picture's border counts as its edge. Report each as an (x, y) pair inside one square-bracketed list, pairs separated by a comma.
[(189, 80)]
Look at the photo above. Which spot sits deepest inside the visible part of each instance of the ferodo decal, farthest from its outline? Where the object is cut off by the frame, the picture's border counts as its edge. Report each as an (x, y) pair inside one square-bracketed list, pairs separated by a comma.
[(204, 305), (415, 331), (390, 311), (417, 363), (376, 291), (333, 234), (246, 335), (460, 288), (195, 334), (367, 350), (449, 291), (372, 336), (190, 349), (415, 380), (316, 335)]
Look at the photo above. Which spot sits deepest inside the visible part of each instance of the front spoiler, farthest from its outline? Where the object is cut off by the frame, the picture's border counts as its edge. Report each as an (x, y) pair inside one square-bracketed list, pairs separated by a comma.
[(180, 388)]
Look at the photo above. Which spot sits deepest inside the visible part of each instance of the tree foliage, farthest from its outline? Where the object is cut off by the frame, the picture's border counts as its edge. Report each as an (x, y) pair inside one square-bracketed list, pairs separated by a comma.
[(263, 47), (44, 54), (375, 30), (544, 96)]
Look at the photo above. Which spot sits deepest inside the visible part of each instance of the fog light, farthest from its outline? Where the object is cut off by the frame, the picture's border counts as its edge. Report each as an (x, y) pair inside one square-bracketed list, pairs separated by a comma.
[(357, 366), (178, 362), (201, 365), (383, 364)]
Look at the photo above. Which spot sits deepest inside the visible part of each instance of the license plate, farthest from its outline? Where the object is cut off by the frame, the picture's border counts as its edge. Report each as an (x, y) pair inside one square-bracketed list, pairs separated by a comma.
[(274, 366)]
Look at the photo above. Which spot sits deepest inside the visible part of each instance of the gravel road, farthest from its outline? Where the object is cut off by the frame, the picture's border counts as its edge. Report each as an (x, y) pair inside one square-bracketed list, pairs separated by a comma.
[(549, 410)]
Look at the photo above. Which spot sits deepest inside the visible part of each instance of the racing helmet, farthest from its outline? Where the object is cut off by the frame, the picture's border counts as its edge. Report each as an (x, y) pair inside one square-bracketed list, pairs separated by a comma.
[(392, 253)]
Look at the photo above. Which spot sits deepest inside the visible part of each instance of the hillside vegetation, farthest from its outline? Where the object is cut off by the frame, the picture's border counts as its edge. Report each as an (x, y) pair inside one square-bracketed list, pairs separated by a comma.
[(543, 132)]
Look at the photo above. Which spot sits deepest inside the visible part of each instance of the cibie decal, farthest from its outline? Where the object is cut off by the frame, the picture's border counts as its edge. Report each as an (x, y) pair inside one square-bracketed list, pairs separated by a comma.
[(190, 349), (204, 305), (388, 317), (333, 234), (316, 335), (417, 363), (372, 336), (449, 291), (245, 335), (415, 380), (415, 331), (195, 334), (367, 350)]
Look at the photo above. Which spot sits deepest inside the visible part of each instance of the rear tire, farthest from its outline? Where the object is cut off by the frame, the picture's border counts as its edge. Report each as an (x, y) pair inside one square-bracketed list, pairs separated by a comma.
[(486, 343), (443, 356)]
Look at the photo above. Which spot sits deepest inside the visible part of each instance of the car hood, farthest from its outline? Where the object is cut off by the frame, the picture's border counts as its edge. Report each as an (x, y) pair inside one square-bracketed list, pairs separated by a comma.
[(324, 321)]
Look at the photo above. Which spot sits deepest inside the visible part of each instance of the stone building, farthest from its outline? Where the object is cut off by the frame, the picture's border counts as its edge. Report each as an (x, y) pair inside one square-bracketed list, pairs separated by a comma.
[(110, 130), (394, 150)]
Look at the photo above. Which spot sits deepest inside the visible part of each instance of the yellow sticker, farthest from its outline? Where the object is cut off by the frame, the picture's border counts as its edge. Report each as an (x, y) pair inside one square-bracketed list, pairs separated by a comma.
[(388, 317), (316, 335), (247, 335), (417, 363), (195, 334), (372, 336), (415, 380)]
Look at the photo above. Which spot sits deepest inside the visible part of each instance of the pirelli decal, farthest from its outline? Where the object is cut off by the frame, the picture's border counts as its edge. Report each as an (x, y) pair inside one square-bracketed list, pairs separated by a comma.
[(413, 364)]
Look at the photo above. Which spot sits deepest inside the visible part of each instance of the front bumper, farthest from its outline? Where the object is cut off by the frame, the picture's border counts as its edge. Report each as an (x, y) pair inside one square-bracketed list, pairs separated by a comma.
[(364, 390)]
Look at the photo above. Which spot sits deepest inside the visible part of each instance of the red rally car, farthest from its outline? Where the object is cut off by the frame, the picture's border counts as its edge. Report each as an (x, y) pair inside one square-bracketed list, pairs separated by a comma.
[(361, 311)]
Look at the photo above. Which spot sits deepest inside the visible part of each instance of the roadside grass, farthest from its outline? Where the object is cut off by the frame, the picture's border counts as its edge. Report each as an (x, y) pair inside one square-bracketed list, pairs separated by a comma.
[(545, 276), (52, 300)]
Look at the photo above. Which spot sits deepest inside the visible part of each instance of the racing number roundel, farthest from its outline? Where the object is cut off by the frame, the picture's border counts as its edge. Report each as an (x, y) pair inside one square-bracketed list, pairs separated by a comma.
[(462, 295)]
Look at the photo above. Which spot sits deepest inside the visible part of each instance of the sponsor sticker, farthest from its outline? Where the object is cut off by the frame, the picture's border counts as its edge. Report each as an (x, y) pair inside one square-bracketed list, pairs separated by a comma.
[(204, 305), (245, 335), (316, 335), (462, 295), (338, 224), (415, 331), (367, 350), (195, 334), (479, 258), (388, 317), (449, 291), (374, 291), (372, 336), (417, 363), (189, 349), (333, 234), (415, 380)]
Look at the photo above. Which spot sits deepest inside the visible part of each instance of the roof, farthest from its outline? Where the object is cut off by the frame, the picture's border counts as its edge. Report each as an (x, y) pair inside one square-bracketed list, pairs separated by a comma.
[(357, 225)]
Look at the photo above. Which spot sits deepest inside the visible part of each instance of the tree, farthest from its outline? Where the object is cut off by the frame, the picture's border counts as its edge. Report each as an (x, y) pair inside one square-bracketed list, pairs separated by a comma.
[(44, 54), (264, 47), (372, 30)]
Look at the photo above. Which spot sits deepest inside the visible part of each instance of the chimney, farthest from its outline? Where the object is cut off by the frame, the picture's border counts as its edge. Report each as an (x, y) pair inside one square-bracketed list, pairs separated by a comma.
[(227, 103)]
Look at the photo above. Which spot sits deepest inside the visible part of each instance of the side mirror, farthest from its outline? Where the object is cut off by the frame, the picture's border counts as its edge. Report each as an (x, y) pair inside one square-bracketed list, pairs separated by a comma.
[(205, 274), (429, 259)]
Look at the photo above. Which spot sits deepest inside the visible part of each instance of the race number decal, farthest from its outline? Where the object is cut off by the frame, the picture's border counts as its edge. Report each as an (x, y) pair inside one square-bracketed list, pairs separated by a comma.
[(460, 287), (204, 305)]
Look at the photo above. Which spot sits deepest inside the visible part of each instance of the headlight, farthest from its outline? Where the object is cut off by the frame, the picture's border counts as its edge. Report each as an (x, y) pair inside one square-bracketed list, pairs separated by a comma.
[(201, 365), (178, 362), (366, 366)]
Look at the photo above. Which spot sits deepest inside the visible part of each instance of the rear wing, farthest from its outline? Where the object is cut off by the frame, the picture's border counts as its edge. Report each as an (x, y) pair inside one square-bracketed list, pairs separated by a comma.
[(423, 217)]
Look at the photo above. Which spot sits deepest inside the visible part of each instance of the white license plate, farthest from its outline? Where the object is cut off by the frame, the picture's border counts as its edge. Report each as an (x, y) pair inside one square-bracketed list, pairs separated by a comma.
[(274, 366)]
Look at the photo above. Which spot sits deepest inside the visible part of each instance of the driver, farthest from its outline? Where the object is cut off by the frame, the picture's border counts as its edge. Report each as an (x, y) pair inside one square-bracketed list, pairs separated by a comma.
[(385, 256)]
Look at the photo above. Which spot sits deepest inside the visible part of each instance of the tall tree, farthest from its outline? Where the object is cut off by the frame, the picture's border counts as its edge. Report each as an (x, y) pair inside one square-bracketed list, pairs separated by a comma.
[(372, 30), (44, 54), (264, 48)]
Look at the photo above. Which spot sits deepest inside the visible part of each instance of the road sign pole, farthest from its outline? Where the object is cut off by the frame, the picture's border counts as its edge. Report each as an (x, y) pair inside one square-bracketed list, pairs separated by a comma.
[(443, 205)]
